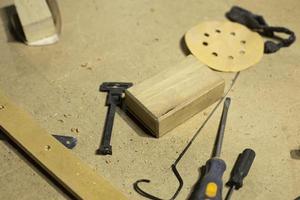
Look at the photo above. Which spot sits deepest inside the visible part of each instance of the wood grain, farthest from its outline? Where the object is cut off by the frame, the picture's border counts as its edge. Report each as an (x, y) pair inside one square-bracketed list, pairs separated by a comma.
[(61, 163), (36, 19), (169, 98)]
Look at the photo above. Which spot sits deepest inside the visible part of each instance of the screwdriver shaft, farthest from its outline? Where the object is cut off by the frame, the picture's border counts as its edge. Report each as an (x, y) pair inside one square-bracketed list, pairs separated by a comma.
[(229, 193), (221, 129)]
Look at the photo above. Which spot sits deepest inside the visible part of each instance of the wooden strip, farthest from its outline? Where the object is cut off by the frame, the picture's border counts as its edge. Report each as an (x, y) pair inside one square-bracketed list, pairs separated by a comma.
[(61, 163)]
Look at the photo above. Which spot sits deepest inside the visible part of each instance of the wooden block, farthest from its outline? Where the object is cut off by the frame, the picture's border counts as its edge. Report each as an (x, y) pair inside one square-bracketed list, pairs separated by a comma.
[(171, 97), (77, 177), (36, 19)]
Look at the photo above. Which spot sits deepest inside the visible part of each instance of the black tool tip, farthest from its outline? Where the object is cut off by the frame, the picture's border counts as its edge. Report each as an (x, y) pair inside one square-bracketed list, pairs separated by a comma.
[(107, 150), (107, 86), (227, 101)]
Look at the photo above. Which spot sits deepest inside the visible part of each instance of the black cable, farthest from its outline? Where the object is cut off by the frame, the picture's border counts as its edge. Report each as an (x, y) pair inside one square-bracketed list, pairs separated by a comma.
[(257, 23)]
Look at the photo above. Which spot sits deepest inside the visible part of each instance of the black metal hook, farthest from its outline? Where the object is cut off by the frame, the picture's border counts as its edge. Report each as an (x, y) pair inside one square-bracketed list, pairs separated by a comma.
[(149, 196)]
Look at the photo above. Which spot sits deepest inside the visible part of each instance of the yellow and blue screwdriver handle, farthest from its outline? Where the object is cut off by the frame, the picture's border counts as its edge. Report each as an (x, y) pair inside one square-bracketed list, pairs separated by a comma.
[(211, 184)]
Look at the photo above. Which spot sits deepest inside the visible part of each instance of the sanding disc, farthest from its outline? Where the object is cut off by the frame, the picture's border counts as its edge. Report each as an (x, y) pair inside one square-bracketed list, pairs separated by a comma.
[(225, 46)]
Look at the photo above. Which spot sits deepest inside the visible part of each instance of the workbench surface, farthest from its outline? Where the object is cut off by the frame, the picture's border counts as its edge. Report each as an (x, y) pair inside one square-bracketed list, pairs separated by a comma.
[(131, 41)]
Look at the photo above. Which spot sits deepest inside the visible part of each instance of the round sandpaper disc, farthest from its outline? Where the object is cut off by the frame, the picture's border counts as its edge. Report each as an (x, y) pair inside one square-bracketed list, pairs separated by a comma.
[(225, 46)]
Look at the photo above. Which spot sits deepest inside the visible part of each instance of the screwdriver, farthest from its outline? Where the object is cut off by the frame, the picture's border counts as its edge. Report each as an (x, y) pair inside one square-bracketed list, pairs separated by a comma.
[(240, 171), (211, 184)]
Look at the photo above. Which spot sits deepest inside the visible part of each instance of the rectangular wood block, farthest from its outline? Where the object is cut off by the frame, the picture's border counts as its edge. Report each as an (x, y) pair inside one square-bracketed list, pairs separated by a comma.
[(36, 19), (169, 98)]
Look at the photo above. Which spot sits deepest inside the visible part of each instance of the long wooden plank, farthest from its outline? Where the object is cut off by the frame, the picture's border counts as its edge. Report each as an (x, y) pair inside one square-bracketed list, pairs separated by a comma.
[(76, 176)]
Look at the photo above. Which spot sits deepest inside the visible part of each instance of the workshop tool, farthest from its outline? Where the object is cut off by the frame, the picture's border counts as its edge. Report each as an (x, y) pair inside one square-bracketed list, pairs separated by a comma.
[(67, 141), (240, 171), (114, 98), (211, 184), (145, 194), (62, 166), (224, 45)]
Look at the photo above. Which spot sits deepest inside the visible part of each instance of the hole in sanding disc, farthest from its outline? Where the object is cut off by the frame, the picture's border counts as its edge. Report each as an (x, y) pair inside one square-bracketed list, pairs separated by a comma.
[(214, 54), (218, 31), (205, 43), (206, 34)]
